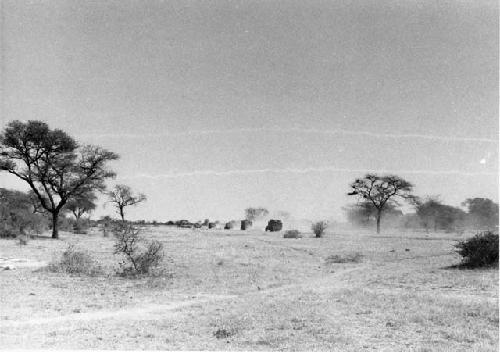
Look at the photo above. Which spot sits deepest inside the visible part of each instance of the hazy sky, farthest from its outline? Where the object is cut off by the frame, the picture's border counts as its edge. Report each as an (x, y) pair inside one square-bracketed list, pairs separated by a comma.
[(215, 106)]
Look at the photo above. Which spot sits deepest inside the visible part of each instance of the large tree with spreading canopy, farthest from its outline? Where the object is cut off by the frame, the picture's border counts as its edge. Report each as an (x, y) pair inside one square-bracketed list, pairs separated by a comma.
[(53, 164), (380, 191)]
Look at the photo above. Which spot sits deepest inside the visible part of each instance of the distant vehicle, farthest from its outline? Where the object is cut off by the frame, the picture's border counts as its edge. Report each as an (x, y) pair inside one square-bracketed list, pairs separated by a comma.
[(185, 224), (274, 225), (245, 224)]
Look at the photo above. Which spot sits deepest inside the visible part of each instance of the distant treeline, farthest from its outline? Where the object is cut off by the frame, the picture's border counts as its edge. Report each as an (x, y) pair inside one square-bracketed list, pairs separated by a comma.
[(430, 214), (21, 215)]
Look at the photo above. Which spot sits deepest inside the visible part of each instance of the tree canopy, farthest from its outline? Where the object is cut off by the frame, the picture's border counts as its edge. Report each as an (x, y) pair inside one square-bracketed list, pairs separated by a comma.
[(433, 214), (379, 190), (122, 196), (81, 204), (483, 212), (16, 214), (52, 163)]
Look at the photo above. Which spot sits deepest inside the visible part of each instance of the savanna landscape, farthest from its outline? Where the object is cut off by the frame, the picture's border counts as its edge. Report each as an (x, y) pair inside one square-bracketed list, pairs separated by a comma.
[(250, 290), (246, 175)]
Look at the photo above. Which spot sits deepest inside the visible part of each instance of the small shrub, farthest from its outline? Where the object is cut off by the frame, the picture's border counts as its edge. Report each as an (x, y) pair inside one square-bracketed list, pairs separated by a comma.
[(80, 228), (349, 258), (292, 234), (23, 240), (479, 251), (229, 326), (223, 333), (319, 228), (140, 257), (74, 261)]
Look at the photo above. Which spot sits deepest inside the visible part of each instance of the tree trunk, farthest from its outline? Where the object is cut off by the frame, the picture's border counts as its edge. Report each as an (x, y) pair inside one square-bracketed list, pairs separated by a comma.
[(55, 224), (122, 214), (379, 216)]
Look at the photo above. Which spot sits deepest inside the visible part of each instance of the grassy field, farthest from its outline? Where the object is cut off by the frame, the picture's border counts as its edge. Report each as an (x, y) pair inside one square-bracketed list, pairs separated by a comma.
[(249, 290)]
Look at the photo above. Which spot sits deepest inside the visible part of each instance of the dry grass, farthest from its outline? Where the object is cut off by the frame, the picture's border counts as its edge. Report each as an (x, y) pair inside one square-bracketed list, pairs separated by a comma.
[(232, 290)]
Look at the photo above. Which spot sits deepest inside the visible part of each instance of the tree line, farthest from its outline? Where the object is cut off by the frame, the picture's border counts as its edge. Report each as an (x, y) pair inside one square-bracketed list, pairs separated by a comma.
[(431, 214)]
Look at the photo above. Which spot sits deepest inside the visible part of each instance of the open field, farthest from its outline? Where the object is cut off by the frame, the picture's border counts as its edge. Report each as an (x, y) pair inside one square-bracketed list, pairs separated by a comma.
[(259, 292)]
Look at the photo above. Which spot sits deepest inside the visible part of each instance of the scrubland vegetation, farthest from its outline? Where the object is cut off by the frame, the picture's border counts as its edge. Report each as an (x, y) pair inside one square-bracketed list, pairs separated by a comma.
[(429, 282), (234, 290)]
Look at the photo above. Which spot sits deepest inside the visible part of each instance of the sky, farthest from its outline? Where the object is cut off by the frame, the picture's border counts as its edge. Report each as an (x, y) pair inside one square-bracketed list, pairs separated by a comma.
[(216, 106)]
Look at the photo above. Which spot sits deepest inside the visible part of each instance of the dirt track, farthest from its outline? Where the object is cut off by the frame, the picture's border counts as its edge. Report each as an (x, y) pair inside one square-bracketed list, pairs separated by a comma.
[(150, 311)]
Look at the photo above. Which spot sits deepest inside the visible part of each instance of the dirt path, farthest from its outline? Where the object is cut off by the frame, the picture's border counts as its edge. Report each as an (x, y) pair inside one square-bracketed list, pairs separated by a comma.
[(162, 311), (14, 263), (132, 313)]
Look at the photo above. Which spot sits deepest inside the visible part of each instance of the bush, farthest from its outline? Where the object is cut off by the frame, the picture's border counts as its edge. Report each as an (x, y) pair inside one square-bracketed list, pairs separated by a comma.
[(80, 228), (319, 228), (292, 234), (23, 240), (76, 262), (349, 258), (7, 232), (140, 257), (479, 251), (22, 224), (16, 215)]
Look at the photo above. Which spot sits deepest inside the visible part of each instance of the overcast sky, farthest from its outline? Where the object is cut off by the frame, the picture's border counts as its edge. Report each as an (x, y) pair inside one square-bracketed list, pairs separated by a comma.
[(215, 106)]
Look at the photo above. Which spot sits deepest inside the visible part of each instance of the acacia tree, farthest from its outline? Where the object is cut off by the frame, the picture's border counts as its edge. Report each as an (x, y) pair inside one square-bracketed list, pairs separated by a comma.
[(82, 204), (381, 191), (122, 196), (52, 163)]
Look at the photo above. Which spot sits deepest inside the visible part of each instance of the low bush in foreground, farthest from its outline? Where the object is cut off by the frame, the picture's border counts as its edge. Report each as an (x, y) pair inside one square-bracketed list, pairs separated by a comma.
[(479, 251), (348, 258), (74, 261), (140, 257), (292, 234)]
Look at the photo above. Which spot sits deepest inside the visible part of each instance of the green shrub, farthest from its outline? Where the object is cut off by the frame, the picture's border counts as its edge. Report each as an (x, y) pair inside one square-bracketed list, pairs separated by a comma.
[(74, 261), (479, 251), (319, 228), (292, 234)]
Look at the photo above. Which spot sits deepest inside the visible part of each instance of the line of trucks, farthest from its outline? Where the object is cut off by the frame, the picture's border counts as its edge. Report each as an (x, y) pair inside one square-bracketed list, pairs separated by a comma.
[(272, 225)]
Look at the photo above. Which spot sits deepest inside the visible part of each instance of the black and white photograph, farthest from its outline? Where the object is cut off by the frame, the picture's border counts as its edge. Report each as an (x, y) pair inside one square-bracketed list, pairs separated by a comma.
[(249, 175)]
